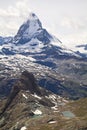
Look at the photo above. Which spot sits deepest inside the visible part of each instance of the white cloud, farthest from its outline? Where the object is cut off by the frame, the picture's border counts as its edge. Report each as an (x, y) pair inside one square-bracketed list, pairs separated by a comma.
[(13, 16), (71, 40), (10, 11), (73, 23)]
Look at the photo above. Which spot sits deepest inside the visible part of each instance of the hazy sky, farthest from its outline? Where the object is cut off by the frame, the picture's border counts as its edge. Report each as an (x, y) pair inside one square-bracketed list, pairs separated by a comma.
[(67, 19)]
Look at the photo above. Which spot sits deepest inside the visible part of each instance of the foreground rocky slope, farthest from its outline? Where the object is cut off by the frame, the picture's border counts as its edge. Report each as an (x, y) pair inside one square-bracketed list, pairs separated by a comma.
[(32, 107), (27, 100)]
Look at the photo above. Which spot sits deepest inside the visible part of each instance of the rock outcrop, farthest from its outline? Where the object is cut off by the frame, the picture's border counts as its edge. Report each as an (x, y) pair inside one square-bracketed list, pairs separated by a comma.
[(26, 82)]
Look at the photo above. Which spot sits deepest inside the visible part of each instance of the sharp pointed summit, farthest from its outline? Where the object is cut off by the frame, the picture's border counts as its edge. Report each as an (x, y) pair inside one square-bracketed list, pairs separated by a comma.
[(32, 38), (32, 28)]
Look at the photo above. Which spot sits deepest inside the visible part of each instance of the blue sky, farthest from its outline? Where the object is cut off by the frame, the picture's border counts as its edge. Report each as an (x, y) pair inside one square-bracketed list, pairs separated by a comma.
[(67, 19)]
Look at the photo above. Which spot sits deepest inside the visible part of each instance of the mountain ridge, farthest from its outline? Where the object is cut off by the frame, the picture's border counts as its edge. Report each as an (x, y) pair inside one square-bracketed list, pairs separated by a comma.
[(32, 33), (40, 56), (32, 37)]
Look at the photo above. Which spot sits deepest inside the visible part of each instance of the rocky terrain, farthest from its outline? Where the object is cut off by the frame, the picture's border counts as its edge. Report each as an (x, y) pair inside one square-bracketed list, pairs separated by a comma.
[(67, 79), (34, 49), (26, 102), (32, 107), (61, 74)]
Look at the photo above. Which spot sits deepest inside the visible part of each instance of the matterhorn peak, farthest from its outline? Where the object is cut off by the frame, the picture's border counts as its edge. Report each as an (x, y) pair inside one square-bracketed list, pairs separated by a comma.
[(28, 29), (33, 21), (32, 16), (31, 29)]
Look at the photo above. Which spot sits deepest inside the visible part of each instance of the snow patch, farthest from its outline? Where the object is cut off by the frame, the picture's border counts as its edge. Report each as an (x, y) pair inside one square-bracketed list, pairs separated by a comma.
[(24, 128), (53, 97), (55, 108), (24, 96), (32, 46), (52, 122), (65, 101), (31, 59), (37, 112), (36, 96), (34, 25), (57, 43)]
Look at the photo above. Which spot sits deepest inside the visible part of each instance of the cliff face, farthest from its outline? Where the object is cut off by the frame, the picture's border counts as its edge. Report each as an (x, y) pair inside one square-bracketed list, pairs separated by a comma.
[(26, 82), (26, 99)]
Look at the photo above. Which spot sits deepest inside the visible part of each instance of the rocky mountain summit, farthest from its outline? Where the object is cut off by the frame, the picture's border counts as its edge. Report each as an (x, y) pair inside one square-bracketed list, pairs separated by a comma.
[(32, 29)]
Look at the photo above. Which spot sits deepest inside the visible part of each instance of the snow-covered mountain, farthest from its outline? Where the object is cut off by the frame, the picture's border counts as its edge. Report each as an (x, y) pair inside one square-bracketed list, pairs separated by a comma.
[(32, 29), (41, 53), (33, 38)]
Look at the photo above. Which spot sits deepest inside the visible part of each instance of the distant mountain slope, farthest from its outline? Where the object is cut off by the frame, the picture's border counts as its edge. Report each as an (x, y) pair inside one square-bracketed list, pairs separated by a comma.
[(4, 40), (33, 48)]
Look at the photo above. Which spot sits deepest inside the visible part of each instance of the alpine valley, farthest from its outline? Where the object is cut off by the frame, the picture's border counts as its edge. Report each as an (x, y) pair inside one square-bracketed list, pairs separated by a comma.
[(43, 84)]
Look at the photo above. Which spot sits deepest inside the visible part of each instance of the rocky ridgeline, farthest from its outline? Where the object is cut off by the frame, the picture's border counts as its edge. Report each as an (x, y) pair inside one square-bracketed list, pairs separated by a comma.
[(27, 100)]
